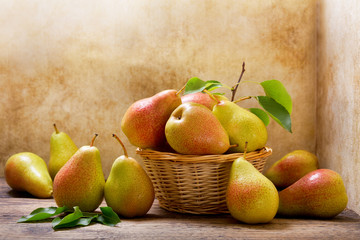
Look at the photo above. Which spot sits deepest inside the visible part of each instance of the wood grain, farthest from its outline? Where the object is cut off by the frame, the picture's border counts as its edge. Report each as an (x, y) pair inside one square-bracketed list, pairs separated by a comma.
[(161, 224)]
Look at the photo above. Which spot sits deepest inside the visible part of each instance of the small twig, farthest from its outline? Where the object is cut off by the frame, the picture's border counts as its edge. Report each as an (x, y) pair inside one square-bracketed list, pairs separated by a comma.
[(241, 99), (211, 95), (235, 87), (181, 89)]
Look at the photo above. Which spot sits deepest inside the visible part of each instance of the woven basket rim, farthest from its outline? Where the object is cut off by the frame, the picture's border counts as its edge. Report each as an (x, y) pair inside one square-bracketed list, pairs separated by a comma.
[(176, 157)]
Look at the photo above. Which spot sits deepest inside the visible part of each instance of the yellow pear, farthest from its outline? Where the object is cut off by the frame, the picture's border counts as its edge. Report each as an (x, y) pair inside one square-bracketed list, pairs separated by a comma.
[(28, 172), (61, 150), (250, 197), (242, 126), (128, 189)]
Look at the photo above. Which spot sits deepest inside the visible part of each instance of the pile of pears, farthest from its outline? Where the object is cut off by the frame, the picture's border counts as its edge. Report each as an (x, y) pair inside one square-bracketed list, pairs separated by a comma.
[(292, 187), (74, 177), (196, 123)]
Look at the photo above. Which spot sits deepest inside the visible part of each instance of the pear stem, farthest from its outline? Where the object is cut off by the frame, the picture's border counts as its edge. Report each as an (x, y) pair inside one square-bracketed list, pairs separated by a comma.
[(235, 87), (241, 99), (234, 145), (212, 96), (181, 89), (245, 148), (123, 146), (92, 141), (56, 130)]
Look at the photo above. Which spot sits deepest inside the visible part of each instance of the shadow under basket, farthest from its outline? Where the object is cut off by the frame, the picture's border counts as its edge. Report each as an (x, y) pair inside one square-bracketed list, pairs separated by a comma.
[(194, 184)]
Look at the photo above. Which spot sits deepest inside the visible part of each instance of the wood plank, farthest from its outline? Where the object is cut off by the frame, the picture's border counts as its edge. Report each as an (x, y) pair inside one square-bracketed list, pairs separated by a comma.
[(161, 224)]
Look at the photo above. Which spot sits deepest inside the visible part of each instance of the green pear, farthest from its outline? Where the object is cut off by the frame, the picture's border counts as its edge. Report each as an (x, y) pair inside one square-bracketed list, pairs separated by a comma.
[(320, 194), (242, 126), (193, 129), (250, 196), (202, 98), (128, 189), (144, 121), (291, 168), (61, 150), (80, 182), (28, 172)]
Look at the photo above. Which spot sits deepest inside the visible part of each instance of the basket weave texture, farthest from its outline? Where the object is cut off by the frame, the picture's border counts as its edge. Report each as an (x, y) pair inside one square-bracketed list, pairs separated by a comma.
[(194, 184)]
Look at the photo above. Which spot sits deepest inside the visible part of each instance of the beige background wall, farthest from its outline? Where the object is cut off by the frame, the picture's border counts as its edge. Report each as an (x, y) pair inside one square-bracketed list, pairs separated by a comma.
[(81, 64), (338, 94)]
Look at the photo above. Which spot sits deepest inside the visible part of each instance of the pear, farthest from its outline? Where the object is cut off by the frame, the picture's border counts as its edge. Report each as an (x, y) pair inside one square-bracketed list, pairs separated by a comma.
[(202, 98), (250, 196), (61, 149), (128, 189), (144, 121), (241, 125), (28, 172), (291, 168), (80, 182), (193, 129), (320, 194)]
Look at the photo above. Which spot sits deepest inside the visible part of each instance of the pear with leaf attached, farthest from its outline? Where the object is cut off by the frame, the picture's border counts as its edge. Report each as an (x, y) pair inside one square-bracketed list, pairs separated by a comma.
[(144, 121), (28, 172), (242, 126), (128, 189), (61, 150), (80, 182), (250, 196)]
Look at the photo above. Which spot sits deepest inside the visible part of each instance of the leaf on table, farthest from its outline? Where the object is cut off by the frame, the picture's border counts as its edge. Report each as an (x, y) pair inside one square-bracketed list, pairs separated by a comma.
[(83, 221), (109, 217), (42, 213), (261, 114), (276, 90), (57, 222), (276, 111)]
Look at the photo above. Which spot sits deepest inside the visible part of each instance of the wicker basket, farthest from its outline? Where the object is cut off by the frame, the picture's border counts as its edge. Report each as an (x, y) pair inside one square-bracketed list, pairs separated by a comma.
[(194, 184)]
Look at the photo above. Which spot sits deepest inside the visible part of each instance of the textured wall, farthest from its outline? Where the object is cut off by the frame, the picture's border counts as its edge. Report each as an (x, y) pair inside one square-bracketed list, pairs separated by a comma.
[(82, 63), (338, 101)]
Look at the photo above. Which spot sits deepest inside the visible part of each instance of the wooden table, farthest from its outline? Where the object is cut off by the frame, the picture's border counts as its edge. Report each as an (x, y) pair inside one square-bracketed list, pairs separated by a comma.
[(161, 224)]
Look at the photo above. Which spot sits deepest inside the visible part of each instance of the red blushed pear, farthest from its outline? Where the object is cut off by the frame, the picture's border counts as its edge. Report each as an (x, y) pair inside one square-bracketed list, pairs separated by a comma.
[(193, 129), (80, 182), (144, 121), (202, 98), (250, 197), (320, 194), (291, 168)]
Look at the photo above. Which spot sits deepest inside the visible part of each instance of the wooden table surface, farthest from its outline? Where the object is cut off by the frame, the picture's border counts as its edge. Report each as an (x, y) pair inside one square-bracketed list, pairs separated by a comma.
[(161, 224)]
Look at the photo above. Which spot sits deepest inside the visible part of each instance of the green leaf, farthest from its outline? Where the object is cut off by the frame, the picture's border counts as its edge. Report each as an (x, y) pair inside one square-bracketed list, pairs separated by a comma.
[(109, 217), (276, 90), (276, 111), (212, 86), (194, 85), (83, 221), (68, 219), (197, 85), (42, 213), (261, 114)]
